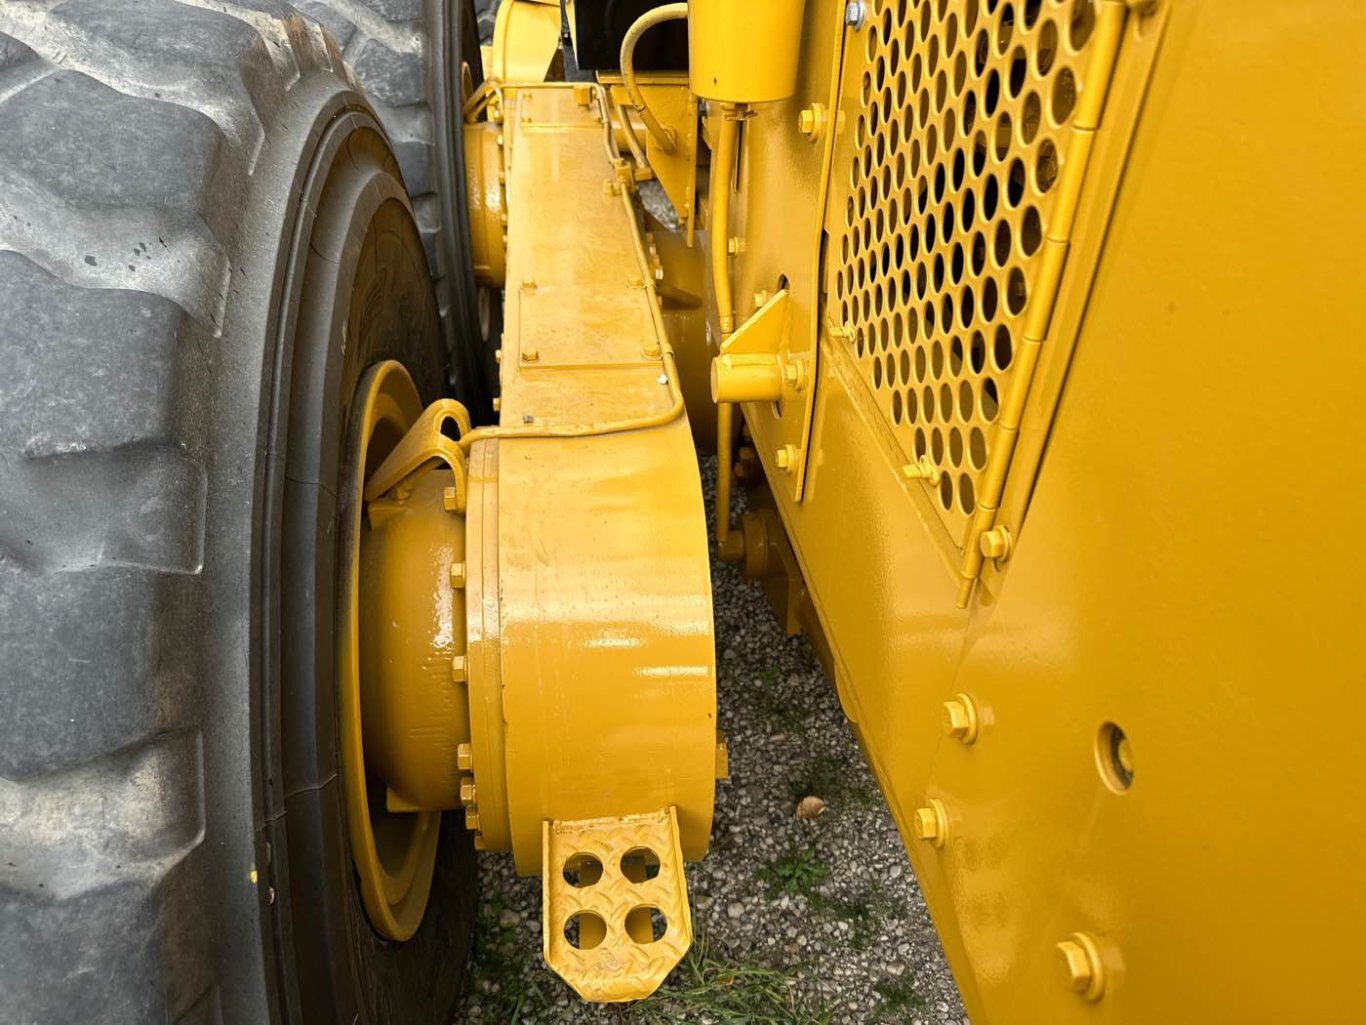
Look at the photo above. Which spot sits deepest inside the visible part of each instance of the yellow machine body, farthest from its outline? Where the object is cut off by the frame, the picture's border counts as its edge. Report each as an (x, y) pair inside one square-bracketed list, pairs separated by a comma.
[(1152, 635), (1038, 317)]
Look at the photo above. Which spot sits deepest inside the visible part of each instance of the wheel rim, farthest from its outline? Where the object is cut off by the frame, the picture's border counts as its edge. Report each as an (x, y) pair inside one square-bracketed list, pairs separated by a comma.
[(394, 852)]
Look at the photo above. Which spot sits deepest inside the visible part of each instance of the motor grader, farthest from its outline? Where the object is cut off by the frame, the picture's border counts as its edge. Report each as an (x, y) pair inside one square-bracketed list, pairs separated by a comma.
[(352, 411)]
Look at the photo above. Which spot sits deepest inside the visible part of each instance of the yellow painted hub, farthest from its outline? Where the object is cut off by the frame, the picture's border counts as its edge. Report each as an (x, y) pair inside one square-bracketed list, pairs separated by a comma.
[(401, 629)]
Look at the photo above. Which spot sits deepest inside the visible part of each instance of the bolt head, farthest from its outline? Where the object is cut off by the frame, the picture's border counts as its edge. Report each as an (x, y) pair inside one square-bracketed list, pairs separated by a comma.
[(957, 719), (926, 824), (457, 574), (472, 819), (464, 757), (1074, 965), (530, 355), (468, 791), (459, 669), (853, 17), (806, 121), (995, 543)]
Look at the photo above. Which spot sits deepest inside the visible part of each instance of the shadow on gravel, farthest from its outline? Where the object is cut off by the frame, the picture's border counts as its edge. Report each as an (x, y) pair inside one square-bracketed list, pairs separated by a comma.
[(799, 920)]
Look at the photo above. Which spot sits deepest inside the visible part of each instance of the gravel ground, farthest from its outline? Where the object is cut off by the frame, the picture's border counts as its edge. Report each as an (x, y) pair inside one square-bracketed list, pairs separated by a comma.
[(798, 920)]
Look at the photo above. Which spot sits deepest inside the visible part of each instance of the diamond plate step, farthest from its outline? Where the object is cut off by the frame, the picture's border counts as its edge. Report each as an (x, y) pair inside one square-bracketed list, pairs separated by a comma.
[(615, 916)]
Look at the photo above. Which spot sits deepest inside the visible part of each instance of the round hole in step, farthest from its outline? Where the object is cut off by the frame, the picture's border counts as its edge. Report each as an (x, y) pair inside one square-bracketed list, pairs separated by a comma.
[(585, 930), (646, 924), (640, 864), (582, 870)]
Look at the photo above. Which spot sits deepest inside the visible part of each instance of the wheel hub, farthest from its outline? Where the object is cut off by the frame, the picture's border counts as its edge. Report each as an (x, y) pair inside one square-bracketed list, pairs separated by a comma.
[(403, 711)]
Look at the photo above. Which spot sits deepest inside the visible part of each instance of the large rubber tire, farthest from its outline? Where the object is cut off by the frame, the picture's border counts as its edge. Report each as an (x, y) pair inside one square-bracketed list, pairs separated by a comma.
[(204, 239), (407, 55)]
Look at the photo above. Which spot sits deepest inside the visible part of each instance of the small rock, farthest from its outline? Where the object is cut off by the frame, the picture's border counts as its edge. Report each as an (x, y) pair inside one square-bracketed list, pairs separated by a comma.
[(735, 910), (810, 807), (704, 901), (509, 918)]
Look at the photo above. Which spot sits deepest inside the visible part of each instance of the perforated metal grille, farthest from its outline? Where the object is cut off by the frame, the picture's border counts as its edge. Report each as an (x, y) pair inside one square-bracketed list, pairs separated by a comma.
[(962, 114)]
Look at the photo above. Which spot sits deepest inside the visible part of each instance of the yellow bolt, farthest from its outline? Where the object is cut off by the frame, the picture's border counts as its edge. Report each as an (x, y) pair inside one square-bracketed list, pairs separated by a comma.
[(450, 500), (472, 819), (922, 469), (996, 543), (931, 823), (468, 792), (457, 574), (497, 404), (464, 757), (479, 844), (497, 355), (960, 719), (530, 355), (1080, 967), (786, 458), (651, 350), (735, 245), (459, 670), (529, 285), (760, 298), (811, 121)]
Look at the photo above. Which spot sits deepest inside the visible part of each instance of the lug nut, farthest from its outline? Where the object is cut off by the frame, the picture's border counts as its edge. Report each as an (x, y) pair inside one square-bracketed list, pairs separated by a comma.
[(464, 757), (468, 791), (472, 819)]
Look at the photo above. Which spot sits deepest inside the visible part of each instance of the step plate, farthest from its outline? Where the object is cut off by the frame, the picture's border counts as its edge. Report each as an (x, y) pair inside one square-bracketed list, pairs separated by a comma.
[(610, 887)]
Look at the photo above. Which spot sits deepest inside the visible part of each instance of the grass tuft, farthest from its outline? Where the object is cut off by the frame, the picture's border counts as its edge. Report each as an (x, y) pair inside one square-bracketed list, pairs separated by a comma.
[(797, 873), (899, 998), (711, 988), (508, 984)]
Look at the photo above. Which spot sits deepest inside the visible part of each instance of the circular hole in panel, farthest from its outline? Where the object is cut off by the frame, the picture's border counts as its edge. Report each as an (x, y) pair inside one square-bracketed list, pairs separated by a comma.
[(1019, 68), (1046, 167), (1015, 183), (1001, 250), (956, 446), (990, 298), (946, 491), (1031, 232), (1029, 120), (967, 401), (1005, 29), (967, 498), (991, 95), (977, 352), (1015, 291), (1046, 49), (991, 400), (977, 448), (920, 449), (1114, 758), (1002, 349), (1064, 96), (1003, 130), (1082, 22), (937, 445)]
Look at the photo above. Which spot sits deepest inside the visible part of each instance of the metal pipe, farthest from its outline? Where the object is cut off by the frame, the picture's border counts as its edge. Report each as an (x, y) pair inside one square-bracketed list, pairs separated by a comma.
[(722, 162), (669, 12)]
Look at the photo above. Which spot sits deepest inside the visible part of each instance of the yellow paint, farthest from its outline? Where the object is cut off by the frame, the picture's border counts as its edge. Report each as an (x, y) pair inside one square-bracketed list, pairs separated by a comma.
[(744, 52), (526, 38), (487, 204), (603, 878), (399, 624)]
